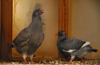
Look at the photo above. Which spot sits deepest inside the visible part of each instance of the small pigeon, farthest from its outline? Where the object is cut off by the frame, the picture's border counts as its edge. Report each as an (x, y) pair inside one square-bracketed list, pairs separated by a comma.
[(31, 37), (72, 47)]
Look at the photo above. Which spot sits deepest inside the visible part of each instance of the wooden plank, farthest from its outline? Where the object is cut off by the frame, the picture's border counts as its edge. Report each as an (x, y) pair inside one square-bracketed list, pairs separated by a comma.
[(4, 20), (6, 14), (0, 28), (9, 34), (61, 15), (70, 17), (66, 17)]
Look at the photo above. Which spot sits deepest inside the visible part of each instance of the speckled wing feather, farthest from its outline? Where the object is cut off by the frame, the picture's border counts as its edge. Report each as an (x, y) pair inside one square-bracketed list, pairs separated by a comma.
[(71, 43), (22, 38)]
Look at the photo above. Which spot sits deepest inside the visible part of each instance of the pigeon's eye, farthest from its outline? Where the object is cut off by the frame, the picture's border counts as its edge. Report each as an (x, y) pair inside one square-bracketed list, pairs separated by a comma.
[(37, 11)]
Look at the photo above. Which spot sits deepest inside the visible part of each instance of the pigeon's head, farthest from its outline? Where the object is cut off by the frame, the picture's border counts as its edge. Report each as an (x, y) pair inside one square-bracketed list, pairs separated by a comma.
[(61, 34), (38, 12)]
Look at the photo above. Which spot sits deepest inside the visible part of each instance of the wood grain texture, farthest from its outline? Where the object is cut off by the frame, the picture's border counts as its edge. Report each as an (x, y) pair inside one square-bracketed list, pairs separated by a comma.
[(6, 18), (63, 15), (66, 17), (0, 28)]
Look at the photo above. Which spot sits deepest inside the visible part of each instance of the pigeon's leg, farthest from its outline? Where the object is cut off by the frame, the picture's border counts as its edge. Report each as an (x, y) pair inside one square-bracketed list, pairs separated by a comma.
[(24, 57), (31, 57), (72, 58)]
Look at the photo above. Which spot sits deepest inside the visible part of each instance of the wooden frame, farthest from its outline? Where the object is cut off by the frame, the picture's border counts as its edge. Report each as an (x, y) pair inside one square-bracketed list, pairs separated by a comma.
[(0, 28), (63, 15), (6, 27)]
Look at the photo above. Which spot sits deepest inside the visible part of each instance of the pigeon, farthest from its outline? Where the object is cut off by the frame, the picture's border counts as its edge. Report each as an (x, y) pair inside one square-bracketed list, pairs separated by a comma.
[(73, 47), (31, 37)]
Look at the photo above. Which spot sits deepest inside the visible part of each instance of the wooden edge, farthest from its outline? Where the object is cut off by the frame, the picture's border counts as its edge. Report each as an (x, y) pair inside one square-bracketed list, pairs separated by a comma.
[(6, 9), (66, 17), (70, 2), (61, 15), (0, 28), (9, 35)]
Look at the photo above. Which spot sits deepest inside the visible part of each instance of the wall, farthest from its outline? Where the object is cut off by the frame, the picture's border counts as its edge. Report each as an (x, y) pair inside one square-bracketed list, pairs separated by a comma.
[(22, 16), (84, 23)]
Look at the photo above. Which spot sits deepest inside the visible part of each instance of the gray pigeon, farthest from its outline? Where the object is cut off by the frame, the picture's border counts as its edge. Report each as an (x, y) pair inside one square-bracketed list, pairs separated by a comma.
[(72, 47), (31, 37)]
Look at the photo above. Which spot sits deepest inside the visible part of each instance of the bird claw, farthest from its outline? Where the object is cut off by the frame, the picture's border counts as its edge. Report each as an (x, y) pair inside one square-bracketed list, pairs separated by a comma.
[(25, 61)]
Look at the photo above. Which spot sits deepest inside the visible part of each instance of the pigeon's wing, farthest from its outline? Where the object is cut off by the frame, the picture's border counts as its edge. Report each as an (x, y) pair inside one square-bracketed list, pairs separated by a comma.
[(22, 38), (72, 44)]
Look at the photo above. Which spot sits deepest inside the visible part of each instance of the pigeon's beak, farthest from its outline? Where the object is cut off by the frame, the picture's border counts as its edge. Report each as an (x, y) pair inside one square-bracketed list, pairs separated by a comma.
[(56, 34), (43, 11)]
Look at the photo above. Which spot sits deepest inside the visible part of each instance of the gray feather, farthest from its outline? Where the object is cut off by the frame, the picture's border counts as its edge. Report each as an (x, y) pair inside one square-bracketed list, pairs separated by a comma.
[(72, 46), (31, 37)]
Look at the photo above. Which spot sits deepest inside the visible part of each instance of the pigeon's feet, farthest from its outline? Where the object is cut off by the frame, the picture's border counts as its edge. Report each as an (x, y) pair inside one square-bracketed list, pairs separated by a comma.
[(32, 61), (25, 61), (71, 60)]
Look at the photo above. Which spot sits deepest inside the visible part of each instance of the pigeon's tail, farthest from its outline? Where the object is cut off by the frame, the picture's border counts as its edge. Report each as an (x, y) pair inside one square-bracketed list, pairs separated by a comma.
[(11, 45), (94, 50)]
